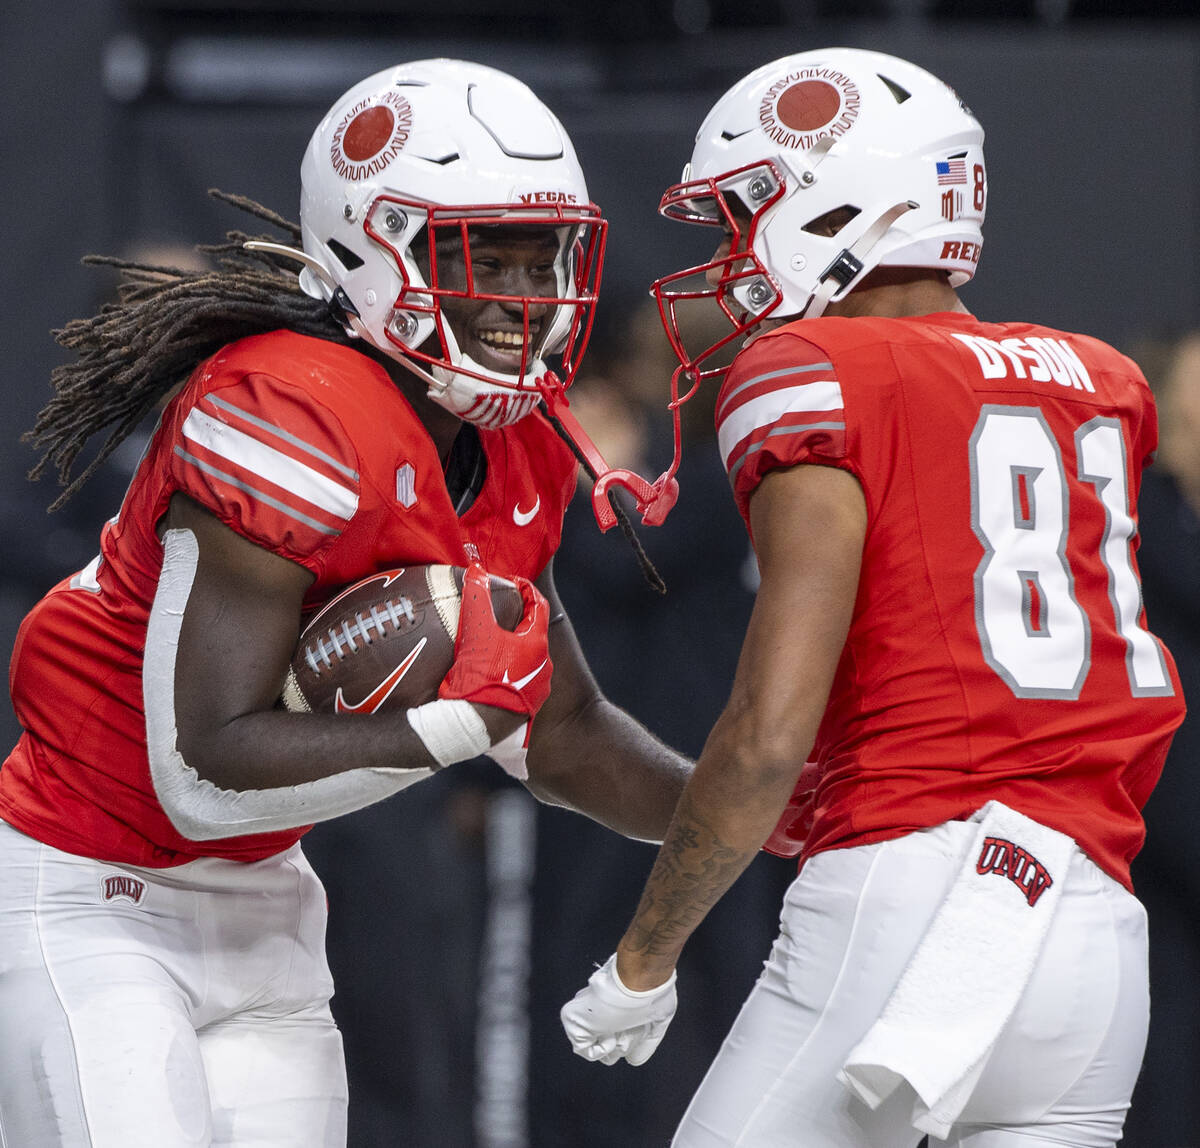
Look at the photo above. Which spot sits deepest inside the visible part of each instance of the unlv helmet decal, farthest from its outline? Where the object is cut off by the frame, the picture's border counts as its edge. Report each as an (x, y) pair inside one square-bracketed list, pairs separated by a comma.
[(370, 136), (807, 104)]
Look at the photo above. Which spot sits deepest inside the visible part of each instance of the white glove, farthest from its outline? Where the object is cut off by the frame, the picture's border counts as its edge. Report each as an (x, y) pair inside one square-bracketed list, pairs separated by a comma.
[(606, 1021)]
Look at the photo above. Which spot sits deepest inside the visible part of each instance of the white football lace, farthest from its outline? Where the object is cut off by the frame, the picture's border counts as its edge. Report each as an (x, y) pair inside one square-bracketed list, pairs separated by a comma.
[(338, 642)]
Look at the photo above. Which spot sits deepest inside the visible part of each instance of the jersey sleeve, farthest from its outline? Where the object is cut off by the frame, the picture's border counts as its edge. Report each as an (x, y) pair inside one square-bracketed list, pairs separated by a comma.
[(270, 461), (1147, 426), (781, 405)]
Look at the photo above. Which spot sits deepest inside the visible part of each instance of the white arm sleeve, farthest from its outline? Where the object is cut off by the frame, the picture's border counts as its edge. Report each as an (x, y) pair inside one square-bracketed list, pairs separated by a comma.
[(200, 810)]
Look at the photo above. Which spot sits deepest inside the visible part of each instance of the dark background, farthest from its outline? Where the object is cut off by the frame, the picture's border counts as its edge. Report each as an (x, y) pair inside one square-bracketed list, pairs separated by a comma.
[(117, 118)]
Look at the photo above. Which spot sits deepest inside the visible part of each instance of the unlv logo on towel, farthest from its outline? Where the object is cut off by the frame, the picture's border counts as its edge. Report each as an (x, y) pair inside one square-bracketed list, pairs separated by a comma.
[(1021, 867), (122, 885)]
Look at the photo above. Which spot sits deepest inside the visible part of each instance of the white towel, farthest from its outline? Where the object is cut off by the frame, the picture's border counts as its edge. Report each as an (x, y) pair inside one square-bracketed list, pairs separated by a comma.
[(968, 973)]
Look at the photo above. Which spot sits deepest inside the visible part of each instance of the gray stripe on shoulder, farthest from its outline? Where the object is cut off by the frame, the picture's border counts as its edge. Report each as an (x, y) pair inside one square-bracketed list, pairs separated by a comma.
[(805, 370), (262, 496), (287, 436), (737, 466)]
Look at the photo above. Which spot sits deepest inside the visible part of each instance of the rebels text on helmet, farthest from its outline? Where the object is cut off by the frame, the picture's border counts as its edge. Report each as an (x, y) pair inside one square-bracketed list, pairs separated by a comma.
[(371, 134), (807, 104)]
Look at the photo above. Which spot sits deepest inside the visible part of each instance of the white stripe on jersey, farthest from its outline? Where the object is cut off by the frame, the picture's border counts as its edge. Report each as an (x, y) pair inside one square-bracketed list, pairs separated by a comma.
[(796, 430), (285, 435), (258, 495), (256, 458), (825, 395), (781, 373)]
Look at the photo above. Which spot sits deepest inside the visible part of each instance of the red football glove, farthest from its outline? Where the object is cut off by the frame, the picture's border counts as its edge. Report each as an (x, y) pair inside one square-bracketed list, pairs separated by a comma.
[(492, 666)]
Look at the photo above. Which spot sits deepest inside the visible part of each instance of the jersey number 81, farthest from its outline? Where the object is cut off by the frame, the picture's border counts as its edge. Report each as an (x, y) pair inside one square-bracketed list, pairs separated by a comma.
[(1033, 631)]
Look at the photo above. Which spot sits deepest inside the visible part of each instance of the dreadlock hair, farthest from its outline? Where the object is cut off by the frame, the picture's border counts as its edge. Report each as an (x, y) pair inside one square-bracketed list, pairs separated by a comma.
[(166, 321)]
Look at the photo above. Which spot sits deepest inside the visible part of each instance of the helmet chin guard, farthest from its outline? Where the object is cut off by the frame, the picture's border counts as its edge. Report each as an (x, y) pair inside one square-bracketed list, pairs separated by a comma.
[(490, 405)]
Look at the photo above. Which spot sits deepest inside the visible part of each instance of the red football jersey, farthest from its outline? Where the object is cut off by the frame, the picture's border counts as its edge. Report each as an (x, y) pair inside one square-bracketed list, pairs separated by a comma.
[(308, 449), (998, 647)]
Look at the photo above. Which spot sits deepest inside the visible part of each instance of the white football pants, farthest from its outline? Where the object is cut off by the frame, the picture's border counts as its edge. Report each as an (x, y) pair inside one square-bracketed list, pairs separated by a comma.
[(165, 1008), (1061, 1073)]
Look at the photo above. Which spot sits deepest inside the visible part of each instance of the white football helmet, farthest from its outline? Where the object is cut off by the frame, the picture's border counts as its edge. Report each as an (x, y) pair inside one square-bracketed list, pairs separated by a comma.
[(439, 148), (795, 149)]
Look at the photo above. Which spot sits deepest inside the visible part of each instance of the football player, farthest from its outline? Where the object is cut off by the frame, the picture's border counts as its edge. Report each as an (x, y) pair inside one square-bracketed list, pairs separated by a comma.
[(360, 401), (949, 627)]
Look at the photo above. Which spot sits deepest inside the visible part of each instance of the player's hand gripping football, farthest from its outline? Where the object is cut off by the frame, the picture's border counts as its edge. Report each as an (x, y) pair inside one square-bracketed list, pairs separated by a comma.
[(606, 1021), (493, 666)]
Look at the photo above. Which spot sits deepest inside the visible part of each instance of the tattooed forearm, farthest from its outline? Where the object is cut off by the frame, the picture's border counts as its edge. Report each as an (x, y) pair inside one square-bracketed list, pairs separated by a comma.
[(693, 870)]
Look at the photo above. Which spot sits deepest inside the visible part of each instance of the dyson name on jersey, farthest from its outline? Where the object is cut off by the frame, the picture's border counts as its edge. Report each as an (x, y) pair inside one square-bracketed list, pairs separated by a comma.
[(1040, 360)]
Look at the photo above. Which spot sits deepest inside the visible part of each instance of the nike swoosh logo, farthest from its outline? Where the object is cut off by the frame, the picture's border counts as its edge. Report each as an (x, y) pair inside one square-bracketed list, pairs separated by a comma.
[(381, 692), (525, 517), (521, 683), (386, 578)]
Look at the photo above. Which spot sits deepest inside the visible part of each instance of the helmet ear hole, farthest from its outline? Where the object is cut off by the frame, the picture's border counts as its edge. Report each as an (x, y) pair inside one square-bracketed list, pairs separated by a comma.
[(346, 257), (831, 222)]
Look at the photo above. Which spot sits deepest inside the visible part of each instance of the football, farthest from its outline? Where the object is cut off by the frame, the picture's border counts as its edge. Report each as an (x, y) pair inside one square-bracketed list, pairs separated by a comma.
[(385, 642)]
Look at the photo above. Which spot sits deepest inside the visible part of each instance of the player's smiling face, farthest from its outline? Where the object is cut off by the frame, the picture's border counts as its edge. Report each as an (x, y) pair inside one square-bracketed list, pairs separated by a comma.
[(512, 261)]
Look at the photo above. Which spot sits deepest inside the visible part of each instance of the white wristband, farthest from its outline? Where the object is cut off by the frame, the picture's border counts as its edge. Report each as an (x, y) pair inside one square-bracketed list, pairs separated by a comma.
[(451, 729)]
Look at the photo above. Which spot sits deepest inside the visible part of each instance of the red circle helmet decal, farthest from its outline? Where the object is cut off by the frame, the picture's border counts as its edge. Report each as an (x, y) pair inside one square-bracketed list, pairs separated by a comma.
[(801, 107), (367, 133), (370, 135), (808, 105)]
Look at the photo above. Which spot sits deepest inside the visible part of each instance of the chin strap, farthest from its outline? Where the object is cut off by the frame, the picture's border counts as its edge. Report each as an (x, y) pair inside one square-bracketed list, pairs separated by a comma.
[(654, 500), (848, 264)]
